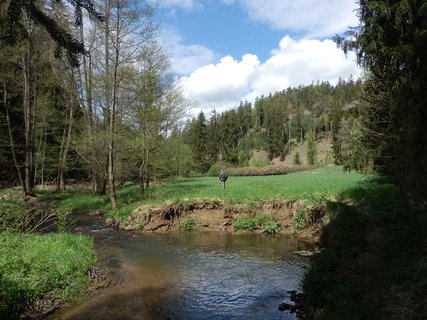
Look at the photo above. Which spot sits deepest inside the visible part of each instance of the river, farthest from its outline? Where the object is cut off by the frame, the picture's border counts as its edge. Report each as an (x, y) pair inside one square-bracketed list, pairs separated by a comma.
[(189, 275)]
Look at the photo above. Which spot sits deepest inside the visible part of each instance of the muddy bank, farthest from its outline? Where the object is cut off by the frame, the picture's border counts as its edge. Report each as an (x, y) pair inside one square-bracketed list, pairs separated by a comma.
[(292, 217)]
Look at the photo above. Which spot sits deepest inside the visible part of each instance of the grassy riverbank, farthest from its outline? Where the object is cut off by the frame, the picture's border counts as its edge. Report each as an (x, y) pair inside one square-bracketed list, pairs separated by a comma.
[(47, 267)]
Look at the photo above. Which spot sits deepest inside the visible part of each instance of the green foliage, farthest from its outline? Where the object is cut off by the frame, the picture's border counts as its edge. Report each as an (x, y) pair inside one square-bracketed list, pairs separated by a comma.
[(268, 224), (36, 266), (271, 228), (259, 163), (245, 224), (243, 158), (188, 224), (61, 219), (215, 169), (311, 150), (299, 217), (297, 159), (389, 42)]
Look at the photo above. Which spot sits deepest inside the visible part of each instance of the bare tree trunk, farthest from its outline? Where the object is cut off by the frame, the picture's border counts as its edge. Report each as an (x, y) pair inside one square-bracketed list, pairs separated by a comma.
[(43, 160), (110, 106), (87, 82), (28, 118), (147, 170), (141, 177), (39, 153), (65, 143)]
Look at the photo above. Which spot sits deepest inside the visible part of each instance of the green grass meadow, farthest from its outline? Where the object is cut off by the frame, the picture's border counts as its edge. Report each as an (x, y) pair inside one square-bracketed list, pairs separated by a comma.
[(311, 186), (326, 182)]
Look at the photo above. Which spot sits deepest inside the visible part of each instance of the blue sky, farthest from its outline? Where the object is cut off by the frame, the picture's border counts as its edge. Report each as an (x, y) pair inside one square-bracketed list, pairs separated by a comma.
[(225, 51), (225, 29)]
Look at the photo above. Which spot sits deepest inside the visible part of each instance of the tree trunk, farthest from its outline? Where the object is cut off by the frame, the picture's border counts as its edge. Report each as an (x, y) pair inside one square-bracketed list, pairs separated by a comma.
[(87, 83), (28, 118), (147, 170), (111, 107), (65, 143), (141, 177)]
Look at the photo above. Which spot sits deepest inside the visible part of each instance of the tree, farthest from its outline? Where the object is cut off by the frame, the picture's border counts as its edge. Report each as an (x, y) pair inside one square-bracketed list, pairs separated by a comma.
[(391, 43), (18, 10), (198, 142), (20, 21)]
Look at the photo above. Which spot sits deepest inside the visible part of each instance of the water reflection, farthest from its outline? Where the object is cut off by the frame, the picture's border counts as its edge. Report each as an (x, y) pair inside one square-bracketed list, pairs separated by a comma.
[(213, 275)]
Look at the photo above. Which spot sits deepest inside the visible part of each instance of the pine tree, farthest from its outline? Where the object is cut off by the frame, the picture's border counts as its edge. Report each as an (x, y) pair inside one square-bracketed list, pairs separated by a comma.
[(391, 43)]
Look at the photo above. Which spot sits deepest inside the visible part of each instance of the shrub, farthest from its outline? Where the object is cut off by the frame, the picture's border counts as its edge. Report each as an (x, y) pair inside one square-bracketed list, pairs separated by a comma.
[(299, 217), (245, 223), (271, 228), (216, 168), (267, 224), (297, 159), (189, 224)]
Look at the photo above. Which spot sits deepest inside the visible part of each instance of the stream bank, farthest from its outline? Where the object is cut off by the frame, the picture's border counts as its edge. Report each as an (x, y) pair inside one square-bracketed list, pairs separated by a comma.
[(284, 217)]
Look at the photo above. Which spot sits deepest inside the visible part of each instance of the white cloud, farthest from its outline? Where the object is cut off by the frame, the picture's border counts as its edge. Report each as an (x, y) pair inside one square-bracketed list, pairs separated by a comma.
[(220, 84), (226, 83), (185, 58), (183, 4), (313, 18)]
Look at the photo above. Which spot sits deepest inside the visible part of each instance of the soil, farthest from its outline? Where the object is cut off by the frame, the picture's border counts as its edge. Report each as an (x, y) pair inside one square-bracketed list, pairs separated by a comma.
[(217, 216)]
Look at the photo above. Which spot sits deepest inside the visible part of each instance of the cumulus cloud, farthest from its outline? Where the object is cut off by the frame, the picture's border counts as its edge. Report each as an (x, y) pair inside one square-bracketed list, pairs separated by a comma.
[(226, 83), (185, 58), (220, 84), (312, 18)]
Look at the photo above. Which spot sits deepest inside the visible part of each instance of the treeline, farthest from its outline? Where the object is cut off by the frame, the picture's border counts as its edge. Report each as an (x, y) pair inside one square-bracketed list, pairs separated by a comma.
[(102, 116), (274, 123)]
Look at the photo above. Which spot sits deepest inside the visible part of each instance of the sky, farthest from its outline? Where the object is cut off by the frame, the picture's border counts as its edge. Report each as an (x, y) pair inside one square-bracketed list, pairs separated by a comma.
[(227, 51)]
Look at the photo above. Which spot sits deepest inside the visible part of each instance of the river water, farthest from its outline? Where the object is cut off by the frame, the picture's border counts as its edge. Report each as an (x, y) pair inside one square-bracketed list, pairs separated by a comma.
[(189, 275)]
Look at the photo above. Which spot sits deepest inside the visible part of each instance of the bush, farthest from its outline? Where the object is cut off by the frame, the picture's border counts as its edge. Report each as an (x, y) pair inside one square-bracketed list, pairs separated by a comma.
[(189, 224), (245, 224), (216, 168), (297, 159), (266, 171), (271, 228), (268, 224)]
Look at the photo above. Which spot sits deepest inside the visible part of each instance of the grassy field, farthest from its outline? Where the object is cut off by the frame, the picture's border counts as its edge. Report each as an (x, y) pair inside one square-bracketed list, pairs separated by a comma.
[(326, 182), (312, 186)]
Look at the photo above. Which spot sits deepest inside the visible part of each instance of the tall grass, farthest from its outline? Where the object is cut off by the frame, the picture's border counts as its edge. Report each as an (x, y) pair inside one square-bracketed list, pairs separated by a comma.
[(35, 266)]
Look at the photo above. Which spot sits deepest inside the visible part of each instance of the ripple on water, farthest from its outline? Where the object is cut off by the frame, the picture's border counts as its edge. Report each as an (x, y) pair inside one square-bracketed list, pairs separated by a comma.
[(193, 276)]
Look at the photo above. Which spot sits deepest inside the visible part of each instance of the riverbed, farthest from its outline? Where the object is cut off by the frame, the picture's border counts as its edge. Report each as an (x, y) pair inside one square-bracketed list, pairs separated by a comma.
[(189, 275)]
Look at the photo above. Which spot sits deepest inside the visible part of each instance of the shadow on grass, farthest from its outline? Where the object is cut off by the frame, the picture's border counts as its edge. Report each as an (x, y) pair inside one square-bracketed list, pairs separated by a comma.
[(81, 200), (369, 252), (181, 188)]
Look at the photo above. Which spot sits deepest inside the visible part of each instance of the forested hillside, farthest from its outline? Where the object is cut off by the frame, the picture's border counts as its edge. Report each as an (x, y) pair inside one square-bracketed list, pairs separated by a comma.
[(276, 124)]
